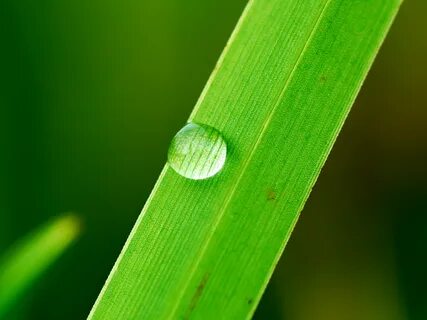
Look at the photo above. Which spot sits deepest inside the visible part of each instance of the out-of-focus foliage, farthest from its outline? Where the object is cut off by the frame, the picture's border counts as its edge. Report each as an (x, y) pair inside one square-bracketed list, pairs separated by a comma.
[(28, 259), (84, 83)]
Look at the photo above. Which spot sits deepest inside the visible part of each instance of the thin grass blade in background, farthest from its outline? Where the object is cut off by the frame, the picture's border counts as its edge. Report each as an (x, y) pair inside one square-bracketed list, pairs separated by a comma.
[(28, 259), (205, 249)]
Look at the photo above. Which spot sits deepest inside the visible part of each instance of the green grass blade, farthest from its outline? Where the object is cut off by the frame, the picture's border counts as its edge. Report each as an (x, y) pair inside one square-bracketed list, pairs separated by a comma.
[(32, 256), (279, 94)]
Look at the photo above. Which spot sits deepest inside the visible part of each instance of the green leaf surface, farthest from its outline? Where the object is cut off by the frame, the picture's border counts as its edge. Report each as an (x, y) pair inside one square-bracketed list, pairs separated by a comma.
[(29, 258), (279, 95)]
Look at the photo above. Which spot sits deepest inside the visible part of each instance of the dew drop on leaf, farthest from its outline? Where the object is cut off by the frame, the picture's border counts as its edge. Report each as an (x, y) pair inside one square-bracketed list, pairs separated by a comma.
[(197, 151)]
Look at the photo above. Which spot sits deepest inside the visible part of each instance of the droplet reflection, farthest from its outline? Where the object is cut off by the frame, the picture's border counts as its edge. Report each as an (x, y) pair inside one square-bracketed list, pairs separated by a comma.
[(197, 151)]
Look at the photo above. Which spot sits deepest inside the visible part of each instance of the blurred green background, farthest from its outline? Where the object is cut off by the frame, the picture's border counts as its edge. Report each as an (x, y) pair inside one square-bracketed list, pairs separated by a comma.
[(91, 93)]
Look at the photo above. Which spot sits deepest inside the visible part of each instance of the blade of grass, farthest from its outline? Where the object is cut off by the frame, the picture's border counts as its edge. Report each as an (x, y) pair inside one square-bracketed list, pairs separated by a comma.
[(28, 259), (279, 94)]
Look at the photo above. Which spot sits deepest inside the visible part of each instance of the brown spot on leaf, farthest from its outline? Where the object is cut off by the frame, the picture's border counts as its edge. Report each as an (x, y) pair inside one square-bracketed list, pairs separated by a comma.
[(271, 195), (323, 79), (197, 294)]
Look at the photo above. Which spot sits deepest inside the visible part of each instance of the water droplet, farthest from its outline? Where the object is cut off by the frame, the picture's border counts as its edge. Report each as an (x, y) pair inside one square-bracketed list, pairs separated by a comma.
[(197, 151)]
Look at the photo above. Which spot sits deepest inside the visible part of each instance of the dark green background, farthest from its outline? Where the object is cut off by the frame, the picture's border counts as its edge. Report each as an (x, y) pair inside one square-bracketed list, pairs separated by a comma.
[(91, 93)]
